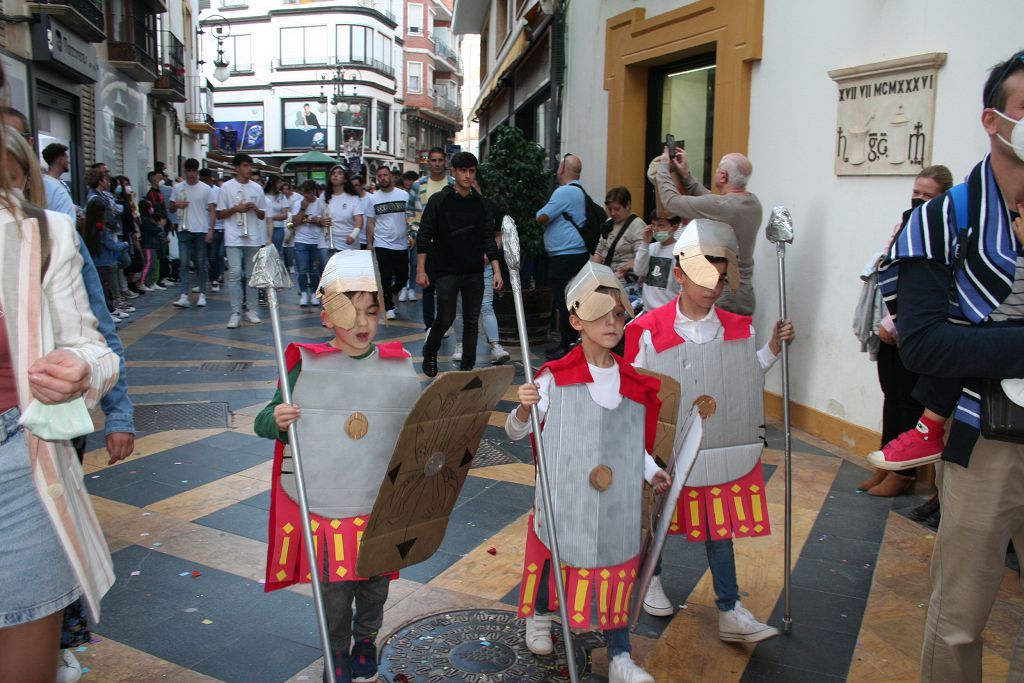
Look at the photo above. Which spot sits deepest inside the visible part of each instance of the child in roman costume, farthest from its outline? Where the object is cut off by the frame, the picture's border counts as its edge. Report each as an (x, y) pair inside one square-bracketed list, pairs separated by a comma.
[(354, 397), (711, 351), (600, 421)]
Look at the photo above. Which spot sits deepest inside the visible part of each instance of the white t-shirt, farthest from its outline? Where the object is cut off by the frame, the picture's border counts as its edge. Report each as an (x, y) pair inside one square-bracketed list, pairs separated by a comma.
[(390, 219), (215, 200), (367, 215), (308, 233), (196, 216), (233, 193), (343, 209), (655, 263), (278, 203)]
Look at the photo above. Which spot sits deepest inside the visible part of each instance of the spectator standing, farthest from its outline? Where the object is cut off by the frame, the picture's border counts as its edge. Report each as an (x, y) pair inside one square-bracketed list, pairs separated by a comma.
[(947, 332), (366, 196), (388, 235), (621, 235), (288, 243), (567, 252), (734, 206), (456, 232), (346, 210), (242, 206), (166, 187), (408, 179), (309, 219), (278, 207), (422, 190), (654, 262), (155, 197), (58, 194), (196, 210), (215, 236)]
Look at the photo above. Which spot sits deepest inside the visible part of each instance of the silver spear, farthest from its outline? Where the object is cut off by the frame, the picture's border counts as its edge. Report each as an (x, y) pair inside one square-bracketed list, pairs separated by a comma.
[(510, 239), (779, 232), (270, 275)]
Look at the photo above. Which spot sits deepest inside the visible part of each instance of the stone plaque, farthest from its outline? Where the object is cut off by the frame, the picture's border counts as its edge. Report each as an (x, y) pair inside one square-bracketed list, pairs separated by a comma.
[(886, 116)]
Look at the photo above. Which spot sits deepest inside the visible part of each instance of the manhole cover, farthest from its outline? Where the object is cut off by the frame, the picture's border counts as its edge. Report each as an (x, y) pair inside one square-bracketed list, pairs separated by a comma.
[(159, 417), (488, 453), (225, 366), (476, 645)]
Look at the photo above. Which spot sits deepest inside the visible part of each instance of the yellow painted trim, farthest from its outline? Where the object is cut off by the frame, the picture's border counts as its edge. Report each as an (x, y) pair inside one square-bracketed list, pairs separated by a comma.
[(835, 430)]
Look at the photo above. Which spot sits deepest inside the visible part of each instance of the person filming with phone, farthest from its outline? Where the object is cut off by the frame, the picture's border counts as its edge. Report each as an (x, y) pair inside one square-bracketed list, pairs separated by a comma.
[(682, 195)]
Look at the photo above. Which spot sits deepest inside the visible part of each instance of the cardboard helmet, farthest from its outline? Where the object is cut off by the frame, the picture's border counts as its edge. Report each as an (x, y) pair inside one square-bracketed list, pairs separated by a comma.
[(583, 298), (702, 238), (352, 270)]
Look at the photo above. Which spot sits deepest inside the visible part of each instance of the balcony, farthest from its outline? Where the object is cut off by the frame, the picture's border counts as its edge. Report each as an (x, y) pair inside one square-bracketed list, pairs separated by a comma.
[(373, 64), (170, 85), (132, 49), (84, 17), (449, 108), (445, 51), (199, 122)]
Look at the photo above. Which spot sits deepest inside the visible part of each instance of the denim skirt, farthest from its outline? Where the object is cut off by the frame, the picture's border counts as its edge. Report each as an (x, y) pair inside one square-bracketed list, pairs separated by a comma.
[(36, 579)]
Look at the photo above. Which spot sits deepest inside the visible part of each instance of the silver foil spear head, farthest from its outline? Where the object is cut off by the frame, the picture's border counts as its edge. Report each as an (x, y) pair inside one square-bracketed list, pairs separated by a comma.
[(510, 242), (780, 226), (268, 270)]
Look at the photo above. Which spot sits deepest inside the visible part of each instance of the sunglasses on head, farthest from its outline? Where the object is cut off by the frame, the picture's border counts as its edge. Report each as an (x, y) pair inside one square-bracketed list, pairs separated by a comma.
[(1010, 65)]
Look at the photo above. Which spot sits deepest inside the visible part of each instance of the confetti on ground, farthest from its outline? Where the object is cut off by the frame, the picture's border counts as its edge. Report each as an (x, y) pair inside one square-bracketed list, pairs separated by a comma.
[(184, 481), (190, 610), (85, 669), (303, 678), (263, 580), (133, 471), (157, 544), (81, 648), (95, 639), (144, 533), (95, 476), (146, 514), (177, 463), (136, 572), (183, 574), (196, 573), (207, 621), (492, 550)]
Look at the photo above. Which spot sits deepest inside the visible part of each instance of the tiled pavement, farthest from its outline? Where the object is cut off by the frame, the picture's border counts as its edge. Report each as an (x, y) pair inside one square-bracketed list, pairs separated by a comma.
[(186, 520)]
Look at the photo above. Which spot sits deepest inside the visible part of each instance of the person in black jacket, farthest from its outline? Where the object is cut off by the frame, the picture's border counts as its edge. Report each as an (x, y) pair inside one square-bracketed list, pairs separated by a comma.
[(457, 231)]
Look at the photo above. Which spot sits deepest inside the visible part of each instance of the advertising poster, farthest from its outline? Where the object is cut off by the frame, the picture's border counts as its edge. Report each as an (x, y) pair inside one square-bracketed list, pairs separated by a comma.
[(239, 129), (303, 125), (352, 147)]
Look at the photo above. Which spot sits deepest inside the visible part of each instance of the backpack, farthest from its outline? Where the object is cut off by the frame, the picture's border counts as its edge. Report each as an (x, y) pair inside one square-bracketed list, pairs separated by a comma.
[(594, 218)]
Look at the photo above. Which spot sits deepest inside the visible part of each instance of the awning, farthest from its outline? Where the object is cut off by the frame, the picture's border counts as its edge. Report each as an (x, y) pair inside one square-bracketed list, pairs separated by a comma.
[(512, 57)]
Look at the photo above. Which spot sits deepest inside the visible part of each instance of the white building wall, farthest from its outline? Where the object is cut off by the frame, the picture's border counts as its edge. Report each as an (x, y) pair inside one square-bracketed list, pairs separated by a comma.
[(838, 221)]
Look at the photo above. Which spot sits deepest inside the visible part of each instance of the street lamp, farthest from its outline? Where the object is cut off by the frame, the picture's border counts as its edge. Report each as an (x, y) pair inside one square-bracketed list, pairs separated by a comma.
[(221, 31), (338, 77)]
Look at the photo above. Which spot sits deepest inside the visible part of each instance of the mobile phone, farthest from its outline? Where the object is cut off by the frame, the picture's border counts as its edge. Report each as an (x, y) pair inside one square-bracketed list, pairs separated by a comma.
[(670, 142)]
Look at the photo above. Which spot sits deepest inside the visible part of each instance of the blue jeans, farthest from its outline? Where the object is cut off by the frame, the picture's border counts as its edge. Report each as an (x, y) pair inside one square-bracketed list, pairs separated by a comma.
[(487, 318), (412, 266), (239, 259), (278, 240), (722, 563), (616, 638), (562, 269), (192, 247), (215, 252), (306, 256)]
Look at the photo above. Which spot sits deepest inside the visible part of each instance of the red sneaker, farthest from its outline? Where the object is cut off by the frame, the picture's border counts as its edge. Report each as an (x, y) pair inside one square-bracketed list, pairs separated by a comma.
[(914, 447)]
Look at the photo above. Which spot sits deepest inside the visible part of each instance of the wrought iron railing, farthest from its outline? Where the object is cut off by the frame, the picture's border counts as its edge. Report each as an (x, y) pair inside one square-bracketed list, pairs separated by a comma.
[(91, 10)]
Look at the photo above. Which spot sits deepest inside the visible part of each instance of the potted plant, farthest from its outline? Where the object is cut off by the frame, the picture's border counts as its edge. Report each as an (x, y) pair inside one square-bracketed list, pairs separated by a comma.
[(514, 176)]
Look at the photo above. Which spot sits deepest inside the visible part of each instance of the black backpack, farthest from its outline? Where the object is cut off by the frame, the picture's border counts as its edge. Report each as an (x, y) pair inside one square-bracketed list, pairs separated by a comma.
[(595, 217)]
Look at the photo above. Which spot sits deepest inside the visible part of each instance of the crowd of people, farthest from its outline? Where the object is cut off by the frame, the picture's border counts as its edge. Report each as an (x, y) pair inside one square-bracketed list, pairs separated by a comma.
[(681, 277)]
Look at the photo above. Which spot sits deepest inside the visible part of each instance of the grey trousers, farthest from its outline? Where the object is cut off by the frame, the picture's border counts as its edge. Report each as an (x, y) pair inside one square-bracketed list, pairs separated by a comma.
[(981, 511), (369, 598)]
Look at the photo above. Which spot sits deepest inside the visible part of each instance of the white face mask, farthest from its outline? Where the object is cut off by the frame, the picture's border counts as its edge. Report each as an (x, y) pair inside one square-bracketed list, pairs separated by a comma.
[(1016, 141)]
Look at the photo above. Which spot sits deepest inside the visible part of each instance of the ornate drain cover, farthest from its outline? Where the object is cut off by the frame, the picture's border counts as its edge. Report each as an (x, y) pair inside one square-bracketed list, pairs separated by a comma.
[(476, 645)]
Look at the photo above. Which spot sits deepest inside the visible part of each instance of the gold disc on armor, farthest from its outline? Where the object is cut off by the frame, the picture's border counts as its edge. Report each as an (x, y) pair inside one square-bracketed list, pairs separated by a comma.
[(356, 426), (601, 477), (706, 406)]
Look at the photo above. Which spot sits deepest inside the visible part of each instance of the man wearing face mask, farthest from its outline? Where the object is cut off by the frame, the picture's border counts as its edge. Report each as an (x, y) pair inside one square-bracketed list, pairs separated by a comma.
[(970, 236)]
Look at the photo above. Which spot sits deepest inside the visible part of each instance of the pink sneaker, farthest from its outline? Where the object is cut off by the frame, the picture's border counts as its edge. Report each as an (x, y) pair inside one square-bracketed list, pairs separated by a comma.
[(912, 448)]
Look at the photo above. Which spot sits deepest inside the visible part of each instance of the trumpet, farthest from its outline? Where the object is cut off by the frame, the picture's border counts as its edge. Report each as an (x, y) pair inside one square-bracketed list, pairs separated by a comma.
[(242, 218), (326, 221)]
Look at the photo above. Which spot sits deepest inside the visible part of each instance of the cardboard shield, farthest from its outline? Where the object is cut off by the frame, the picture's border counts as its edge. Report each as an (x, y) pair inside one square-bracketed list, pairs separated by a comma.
[(431, 460), (667, 417)]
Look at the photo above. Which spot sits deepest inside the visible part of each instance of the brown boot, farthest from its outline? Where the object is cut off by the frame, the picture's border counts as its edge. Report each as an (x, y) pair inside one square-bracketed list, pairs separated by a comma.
[(872, 481), (894, 484)]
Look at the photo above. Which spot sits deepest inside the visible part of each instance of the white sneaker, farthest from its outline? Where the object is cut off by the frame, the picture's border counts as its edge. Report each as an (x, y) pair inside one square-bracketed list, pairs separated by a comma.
[(195, 290), (234, 321), (426, 334), (201, 301), (538, 634), (313, 301), (129, 294), (402, 296), (167, 282), (145, 288), (157, 287), (182, 301), (738, 625), (68, 668), (624, 670), (214, 287), (656, 603), (390, 314), (499, 353), (304, 299), (252, 317), (126, 307), (120, 315), (457, 356), (448, 333), (411, 294)]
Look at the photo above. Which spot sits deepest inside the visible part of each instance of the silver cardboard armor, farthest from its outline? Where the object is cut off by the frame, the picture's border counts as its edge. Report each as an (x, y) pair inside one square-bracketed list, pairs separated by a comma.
[(344, 451), (579, 437), (728, 372)]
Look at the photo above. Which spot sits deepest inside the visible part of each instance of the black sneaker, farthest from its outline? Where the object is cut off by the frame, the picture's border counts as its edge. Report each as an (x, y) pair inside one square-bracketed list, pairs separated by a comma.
[(262, 298), (364, 662), (467, 363), (924, 510), (430, 364)]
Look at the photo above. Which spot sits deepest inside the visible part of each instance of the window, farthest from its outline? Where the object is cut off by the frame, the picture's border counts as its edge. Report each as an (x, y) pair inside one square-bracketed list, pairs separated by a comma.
[(383, 119), (238, 50), (431, 89), (415, 77), (500, 21), (356, 44), (303, 45), (416, 18), (430, 24), (384, 50)]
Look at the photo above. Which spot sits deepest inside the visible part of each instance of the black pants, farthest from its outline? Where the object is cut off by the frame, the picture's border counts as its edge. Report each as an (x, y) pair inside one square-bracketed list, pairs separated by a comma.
[(470, 286), (394, 269), (427, 297), (900, 411), (562, 269)]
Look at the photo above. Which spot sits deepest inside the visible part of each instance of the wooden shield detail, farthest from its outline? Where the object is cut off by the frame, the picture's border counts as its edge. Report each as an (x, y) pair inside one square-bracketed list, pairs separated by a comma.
[(669, 395), (431, 460)]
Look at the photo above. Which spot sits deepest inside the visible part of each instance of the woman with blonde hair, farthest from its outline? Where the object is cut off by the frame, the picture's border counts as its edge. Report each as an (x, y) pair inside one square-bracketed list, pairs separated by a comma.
[(28, 179), (51, 355)]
